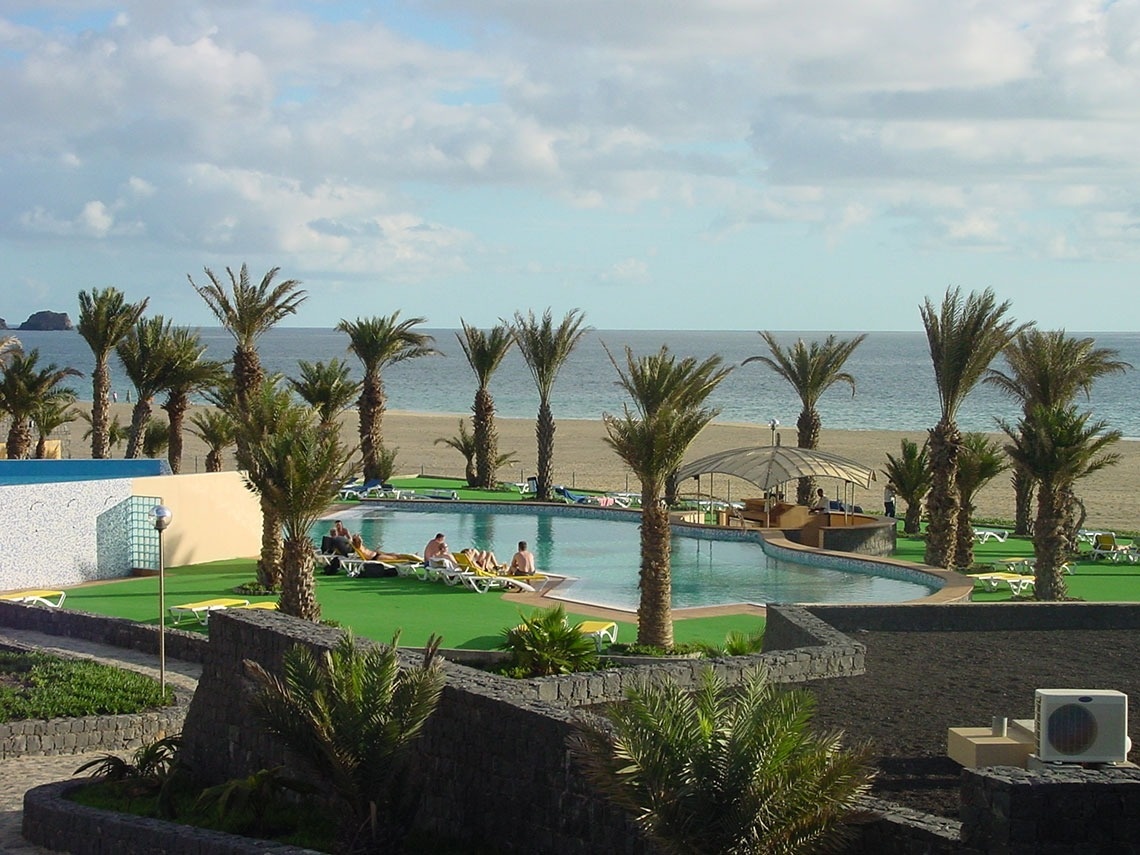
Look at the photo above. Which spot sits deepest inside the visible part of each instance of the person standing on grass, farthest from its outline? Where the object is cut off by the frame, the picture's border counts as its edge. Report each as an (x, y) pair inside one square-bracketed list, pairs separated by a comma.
[(889, 500)]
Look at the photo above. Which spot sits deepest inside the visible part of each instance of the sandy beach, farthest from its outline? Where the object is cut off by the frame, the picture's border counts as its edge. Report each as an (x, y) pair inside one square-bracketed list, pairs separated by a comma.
[(582, 459)]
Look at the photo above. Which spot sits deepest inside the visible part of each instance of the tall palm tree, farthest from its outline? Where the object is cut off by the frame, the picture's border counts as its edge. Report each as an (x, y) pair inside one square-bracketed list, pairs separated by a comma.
[(247, 311), (1049, 369), (485, 352), (546, 349), (54, 411), (668, 397), (297, 469), (980, 461), (185, 373), (23, 386), (725, 769), (352, 713), (143, 354), (105, 318), (217, 429), (964, 338), (910, 475), (326, 388), (266, 412), (811, 370), (1057, 446), (378, 343)]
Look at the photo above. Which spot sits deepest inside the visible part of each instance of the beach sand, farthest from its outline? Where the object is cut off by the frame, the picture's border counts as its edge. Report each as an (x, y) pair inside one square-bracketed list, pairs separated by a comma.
[(583, 460)]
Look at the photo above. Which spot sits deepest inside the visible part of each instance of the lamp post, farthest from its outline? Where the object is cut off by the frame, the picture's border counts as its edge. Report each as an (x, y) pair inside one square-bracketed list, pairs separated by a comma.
[(162, 517), (773, 424)]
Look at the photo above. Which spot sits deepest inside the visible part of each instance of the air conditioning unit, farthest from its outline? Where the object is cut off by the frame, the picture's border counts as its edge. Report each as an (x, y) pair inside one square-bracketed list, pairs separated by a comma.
[(1081, 725)]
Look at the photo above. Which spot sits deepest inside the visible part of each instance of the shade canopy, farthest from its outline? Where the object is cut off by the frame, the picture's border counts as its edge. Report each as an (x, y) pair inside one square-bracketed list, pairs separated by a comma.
[(769, 466)]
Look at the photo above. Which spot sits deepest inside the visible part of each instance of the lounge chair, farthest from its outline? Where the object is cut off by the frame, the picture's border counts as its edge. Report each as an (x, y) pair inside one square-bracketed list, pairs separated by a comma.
[(39, 598), (599, 630), (1016, 582), (360, 491), (1106, 546), (201, 610), (583, 498), (264, 606), (985, 535)]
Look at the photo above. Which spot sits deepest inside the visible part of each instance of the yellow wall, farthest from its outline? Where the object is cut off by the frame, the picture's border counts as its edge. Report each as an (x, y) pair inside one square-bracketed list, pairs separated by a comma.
[(215, 516)]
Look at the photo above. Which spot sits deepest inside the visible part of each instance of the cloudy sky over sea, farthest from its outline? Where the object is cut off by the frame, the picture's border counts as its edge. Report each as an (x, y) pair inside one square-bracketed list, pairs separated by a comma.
[(739, 164)]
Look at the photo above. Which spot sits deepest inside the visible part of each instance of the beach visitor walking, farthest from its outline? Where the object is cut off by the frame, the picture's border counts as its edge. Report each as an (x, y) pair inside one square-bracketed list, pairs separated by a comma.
[(889, 500)]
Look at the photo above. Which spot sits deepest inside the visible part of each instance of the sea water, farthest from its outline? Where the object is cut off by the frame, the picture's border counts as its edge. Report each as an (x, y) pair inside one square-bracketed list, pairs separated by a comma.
[(892, 370)]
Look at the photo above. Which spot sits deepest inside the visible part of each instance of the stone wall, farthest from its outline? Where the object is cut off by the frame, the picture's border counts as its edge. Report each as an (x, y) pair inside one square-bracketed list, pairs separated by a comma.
[(44, 738), (874, 539), (1053, 810), (979, 617)]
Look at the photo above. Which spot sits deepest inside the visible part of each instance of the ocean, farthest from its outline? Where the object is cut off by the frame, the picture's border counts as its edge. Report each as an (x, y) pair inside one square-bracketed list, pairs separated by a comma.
[(893, 374)]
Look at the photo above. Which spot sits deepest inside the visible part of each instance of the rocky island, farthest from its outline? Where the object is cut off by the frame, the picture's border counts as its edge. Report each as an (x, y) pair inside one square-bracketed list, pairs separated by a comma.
[(43, 322)]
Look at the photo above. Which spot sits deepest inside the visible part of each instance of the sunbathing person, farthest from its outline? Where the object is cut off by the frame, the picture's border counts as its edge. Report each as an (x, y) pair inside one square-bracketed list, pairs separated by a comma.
[(372, 554), (484, 559), (436, 550)]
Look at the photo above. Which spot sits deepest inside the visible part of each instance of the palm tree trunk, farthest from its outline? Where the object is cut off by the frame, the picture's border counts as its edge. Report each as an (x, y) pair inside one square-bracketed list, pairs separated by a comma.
[(269, 563), (19, 438), (1023, 485), (913, 517), (942, 500), (298, 590), (140, 415), (101, 389), (41, 447), (964, 539), (544, 433), (486, 438), (1049, 544), (807, 436), (655, 612), (214, 460), (371, 406), (176, 408)]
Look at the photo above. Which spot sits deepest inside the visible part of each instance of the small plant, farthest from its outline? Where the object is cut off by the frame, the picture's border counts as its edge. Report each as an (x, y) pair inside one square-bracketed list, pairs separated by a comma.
[(243, 804), (725, 769), (737, 643), (150, 772), (686, 649), (386, 462), (545, 644), (255, 588)]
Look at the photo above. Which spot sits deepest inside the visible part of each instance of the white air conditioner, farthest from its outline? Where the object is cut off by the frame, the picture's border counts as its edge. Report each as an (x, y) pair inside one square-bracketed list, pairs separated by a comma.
[(1081, 725)]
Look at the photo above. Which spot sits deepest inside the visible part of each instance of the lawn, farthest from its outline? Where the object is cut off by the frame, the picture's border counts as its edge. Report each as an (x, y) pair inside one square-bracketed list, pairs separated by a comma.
[(373, 608)]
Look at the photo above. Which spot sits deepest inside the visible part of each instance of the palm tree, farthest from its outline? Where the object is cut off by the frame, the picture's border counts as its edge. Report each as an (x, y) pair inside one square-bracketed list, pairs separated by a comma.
[(156, 438), (546, 349), (105, 318), (380, 342), (1057, 447), (485, 352), (725, 769), (116, 433), (217, 429), (296, 468), (142, 352), (811, 370), (910, 475), (668, 396), (352, 713), (964, 338), (980, 461), (23, 386), (464, 443), (1049, 369), (54, 411), (326, 388), (185, 373), (247, 311)]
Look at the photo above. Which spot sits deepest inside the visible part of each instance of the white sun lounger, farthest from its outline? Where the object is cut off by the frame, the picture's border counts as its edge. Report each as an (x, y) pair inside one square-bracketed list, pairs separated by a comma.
[(985, 535), (201, 610), (39, 598)]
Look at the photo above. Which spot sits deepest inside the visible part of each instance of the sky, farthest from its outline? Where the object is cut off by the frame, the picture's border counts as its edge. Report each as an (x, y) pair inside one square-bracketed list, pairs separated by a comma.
[(706, 164)]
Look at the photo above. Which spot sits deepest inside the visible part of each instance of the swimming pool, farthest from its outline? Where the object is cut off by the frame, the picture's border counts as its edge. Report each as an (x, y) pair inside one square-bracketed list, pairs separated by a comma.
[(601, 557)]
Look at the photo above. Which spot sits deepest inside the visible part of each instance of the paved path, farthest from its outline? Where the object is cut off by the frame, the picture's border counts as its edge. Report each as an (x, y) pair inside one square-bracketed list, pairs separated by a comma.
[(18, 775)]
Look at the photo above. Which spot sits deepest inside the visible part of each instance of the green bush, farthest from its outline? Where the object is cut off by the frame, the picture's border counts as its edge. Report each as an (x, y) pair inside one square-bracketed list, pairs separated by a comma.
[(34, 685), (545, 644)]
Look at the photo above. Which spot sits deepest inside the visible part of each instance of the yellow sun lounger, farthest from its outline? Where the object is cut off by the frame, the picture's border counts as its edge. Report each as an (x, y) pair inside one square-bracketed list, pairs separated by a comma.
[(42, 598), (599, 630), (265, 606), (201, 610)]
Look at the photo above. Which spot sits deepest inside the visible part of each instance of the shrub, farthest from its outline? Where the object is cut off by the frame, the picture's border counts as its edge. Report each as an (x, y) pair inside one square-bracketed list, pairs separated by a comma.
[(545, 644)]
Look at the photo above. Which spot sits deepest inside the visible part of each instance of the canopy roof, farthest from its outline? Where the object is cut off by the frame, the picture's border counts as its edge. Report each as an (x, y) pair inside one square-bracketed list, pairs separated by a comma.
[(769, 466)]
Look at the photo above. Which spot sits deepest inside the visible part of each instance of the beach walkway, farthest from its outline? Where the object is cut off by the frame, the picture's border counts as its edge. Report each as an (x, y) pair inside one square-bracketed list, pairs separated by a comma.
[(20, 774)]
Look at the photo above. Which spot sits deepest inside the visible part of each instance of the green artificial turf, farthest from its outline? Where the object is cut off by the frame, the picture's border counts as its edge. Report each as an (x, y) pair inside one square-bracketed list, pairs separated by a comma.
[(373, 608)]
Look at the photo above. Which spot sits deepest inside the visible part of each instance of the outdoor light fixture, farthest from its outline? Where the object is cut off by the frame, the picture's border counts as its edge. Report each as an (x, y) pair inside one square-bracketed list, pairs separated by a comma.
[(773, 424), (162, 518)]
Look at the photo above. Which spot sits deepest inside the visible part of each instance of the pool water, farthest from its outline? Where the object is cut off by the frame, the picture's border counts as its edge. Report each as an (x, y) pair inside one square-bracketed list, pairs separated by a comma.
[(602, 558)]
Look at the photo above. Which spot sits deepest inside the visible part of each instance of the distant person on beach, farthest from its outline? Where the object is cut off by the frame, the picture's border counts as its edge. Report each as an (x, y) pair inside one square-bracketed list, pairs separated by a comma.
[(128, 396), (819, 503), (522, 562), (889, 500), (114, 397)]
